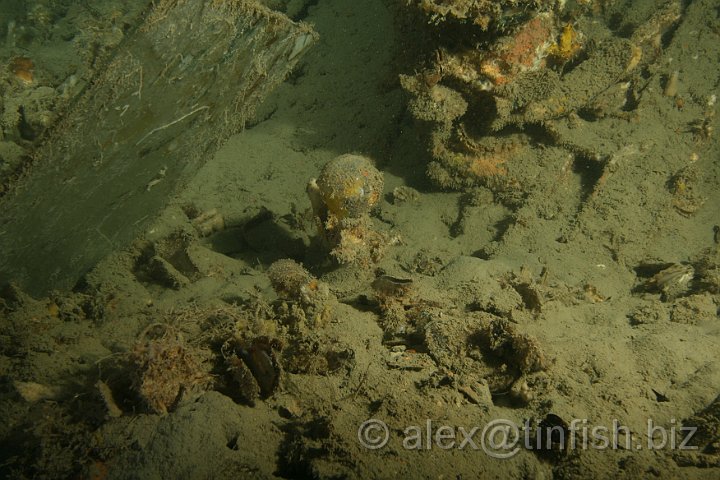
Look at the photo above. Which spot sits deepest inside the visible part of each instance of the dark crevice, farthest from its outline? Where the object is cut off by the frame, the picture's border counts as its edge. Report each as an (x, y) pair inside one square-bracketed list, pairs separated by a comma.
[(590, 172), (304, 11)]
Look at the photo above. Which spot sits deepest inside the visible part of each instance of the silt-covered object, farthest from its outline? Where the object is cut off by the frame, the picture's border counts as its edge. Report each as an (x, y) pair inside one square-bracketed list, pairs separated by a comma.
[(184, 81)]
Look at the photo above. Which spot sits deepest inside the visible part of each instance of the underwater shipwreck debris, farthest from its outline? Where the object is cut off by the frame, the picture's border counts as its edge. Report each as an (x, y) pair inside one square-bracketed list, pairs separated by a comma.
[(433, 102), (27, 111), (179, 84), (342, 197), (484, 14), (394, 296), (316, 355), (671, 280), (525, 50), (517, 349), (209, 222), (253, 366), (166, 368), (350, 186), (167, 262), (291, 281), (485, 347), (684, 186), (523, 72), (297, 287), (463, 93), (386, 286)]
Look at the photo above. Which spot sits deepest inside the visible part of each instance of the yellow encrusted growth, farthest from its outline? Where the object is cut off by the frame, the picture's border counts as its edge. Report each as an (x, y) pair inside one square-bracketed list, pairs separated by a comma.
[(567, 46)]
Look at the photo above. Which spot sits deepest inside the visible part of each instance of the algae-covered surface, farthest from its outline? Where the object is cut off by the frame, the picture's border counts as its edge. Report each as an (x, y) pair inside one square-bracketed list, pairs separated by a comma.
[(538, 297)]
